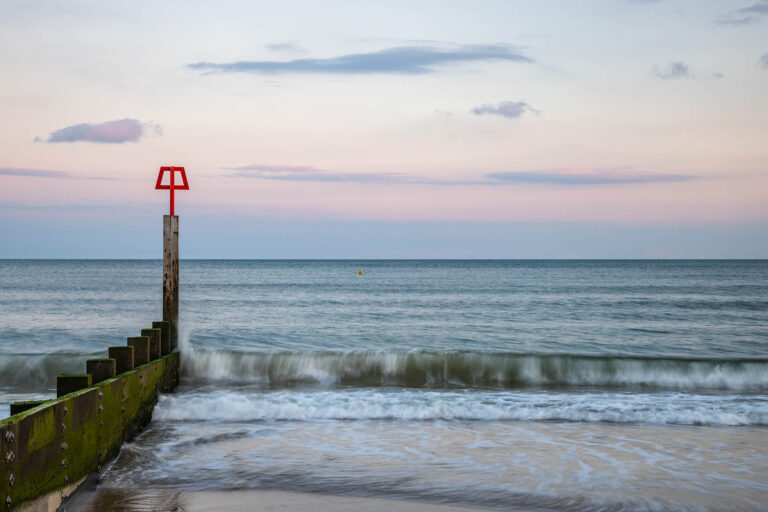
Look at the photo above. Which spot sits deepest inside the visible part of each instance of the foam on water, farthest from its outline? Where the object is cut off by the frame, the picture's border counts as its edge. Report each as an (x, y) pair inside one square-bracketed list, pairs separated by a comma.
[(488, 464), (465, 405)]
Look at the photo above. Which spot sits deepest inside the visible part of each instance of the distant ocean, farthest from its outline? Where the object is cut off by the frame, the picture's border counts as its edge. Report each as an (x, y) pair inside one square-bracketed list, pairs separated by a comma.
[(547, 385)]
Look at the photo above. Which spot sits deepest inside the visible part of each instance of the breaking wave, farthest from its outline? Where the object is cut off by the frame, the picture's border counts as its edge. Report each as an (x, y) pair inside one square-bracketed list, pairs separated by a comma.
[(36, 371), (423, 369)]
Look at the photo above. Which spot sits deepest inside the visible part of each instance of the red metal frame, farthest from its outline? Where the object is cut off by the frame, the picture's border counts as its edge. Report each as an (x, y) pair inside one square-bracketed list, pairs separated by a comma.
[(172, 187)]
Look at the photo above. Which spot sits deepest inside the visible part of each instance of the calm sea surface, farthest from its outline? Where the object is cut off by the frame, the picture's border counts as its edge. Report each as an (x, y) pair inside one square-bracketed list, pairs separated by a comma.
[(562, 385)]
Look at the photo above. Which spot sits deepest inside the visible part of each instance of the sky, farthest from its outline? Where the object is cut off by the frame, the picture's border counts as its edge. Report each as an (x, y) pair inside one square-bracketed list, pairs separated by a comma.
[(398, 129)]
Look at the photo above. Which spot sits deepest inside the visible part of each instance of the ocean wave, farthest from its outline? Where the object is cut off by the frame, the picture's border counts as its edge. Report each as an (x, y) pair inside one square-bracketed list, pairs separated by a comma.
[(423, 369), (465, 405), (36, 371)]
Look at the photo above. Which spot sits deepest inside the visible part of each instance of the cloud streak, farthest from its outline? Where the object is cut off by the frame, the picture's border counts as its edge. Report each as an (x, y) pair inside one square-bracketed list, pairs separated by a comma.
[(744, 15), (32, 173), (306, 173), (586, 177), (403, 60), (673, 71), (45, 173), (286, 47), (108, 132), (564, 177), (508, 109)]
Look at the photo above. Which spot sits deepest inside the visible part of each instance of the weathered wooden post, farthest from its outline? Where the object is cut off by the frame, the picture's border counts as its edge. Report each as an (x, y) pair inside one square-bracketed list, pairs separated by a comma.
[(155, 342), (140, 346), (101, 369), (165, 336), (123, 357), (171, 275), (171, 253)]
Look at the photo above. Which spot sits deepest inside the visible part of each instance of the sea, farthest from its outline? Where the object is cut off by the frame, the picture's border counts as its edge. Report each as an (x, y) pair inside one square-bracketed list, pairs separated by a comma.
[(501, 385)]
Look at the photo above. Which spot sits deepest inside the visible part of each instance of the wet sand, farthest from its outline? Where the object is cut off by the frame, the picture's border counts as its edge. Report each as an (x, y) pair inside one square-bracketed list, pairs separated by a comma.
[(175, 500)]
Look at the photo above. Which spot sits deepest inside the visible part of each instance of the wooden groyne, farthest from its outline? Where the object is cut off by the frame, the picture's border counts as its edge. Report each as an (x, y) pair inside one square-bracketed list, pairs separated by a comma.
[(50, 447)]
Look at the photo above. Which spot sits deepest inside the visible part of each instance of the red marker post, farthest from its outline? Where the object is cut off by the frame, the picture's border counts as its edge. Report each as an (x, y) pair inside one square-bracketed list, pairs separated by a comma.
[(172, 187), (171, 253)]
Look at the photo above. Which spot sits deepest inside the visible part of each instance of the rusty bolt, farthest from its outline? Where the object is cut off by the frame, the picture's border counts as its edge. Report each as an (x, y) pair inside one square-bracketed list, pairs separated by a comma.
[(101, 395), (122, 409), (101, 409), (12, 479), (63, 427), (8, 436), (8, 501), (9, 457), (64, 446), (101, 454), (98, 468), (101, 423), (63, 463), (66, 410)]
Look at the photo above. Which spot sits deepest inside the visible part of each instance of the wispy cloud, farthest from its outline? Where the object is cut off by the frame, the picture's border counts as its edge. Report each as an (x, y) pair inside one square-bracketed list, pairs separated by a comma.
[(509, 109), (45, 173), (404, 60), (306, 173), (286, 47), (744, 15), (764, 61), (672, 71), (586, 177), (570, 176), (110, 132), (32, 173)]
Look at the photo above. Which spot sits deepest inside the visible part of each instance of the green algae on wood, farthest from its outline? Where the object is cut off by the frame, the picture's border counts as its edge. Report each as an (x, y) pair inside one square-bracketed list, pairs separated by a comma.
[(53, 445)]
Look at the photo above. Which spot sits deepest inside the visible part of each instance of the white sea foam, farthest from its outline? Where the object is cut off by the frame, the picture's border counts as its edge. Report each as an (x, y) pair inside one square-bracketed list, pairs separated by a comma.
[(421, 405)]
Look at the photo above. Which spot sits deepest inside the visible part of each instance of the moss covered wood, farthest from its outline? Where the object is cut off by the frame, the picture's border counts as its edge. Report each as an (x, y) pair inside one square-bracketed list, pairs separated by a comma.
[(54, 444)]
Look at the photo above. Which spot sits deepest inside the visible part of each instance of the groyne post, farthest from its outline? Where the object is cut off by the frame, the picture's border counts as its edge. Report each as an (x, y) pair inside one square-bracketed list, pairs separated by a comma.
[(68, 383), (140, 346), (165, 336), (101, 369), (154, 336), (171, 276), (123, 357)]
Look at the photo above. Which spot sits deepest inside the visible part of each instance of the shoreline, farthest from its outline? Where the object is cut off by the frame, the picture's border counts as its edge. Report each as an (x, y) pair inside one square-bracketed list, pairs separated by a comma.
[(91, 498)]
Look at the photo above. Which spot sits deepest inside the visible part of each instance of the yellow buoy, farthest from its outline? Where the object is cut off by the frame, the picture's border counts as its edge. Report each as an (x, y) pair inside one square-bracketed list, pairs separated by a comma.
[(361, 272)]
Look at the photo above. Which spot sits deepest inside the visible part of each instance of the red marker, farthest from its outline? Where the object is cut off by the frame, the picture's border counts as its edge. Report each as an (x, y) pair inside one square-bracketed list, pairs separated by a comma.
[(172, 186)]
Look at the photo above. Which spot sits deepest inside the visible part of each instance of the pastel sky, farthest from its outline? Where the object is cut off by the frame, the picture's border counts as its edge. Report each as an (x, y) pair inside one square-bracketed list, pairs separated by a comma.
[(362, 129)]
